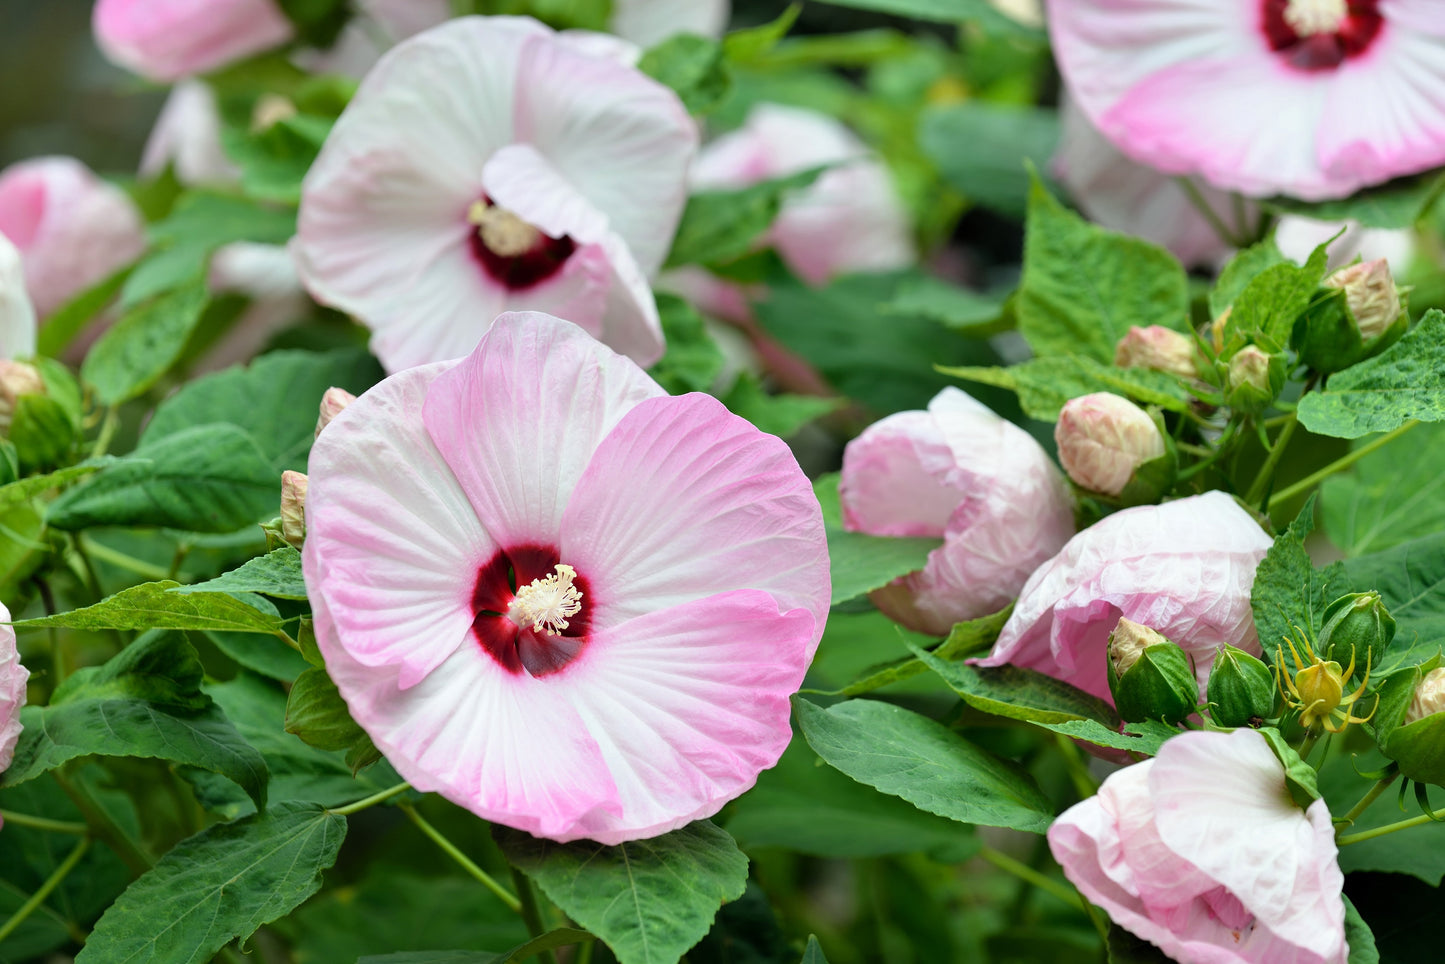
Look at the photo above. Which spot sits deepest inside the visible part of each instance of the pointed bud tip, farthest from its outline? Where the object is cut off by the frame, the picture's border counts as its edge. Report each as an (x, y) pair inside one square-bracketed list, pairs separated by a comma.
[(1103, 439)]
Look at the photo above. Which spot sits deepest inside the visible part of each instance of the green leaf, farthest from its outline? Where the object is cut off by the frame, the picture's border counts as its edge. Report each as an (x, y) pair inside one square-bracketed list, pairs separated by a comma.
[(1405, 381), (1398, 204), (275, 399), (1359, 937), (719, 226), (210, 478), (275, 160), (219, 885), (692, 361), (927, 764), (807, 807), (24, 489), (1411, 580), (1270, 304), (1020, 694), (277, 574), (964, 639), (1084, 287), (692, 66), (1392, 496), (1240, 271), (150, 606), (981, 149), (550, 941), (137, 350), (1145, 738), (782, 414), (751, 44), (976, 315), (862, 562), (648, 900), (144, 702), (946, 11), (1417, 851), (1288, 591), (1044, 385), (813, 953), (23, 548), (317, 714), (71, 318)]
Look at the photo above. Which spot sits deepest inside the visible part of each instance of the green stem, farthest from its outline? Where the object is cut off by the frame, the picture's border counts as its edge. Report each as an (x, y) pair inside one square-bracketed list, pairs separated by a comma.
[(1276, 452), (1196, 198), (1380, 787), (372, 800), (1363, 835), (1084, 781), (1339, 465), (44, 823), (531, 913), (104, 829), (1221, 448), (465, 862), (107, 432), (117, 558), (1027, 874), (1307, 746), (52, 882)]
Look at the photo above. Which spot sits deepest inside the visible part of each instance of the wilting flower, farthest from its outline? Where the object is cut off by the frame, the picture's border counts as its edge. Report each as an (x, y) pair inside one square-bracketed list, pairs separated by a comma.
[(557, 596), (17, 314), (1184, 568), (491, 164), (959, 472), (1313, 98), (72, 228), (169, 39), (1202, 852), (12, 690)]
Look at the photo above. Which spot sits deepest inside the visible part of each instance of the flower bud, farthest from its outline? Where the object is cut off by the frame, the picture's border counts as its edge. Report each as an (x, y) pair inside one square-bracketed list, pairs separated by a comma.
[(16, 379), (1158, 348), (293, 507), (1255, 379), (1105, 440), (1370, 296), (1357, 629), (1216, 329), (1429, 697), (1149, 676), (1361, 315), (332, 404), (1321, 688), (1240, 689)]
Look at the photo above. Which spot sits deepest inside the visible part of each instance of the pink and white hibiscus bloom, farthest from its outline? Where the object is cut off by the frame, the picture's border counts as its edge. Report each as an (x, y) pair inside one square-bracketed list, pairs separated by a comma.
[(558, 596), (72, 228), (489, 165), (1201, 852), (1184, 569), (981, 483), (1312, 98), (13, 677), (166, 40), (17, 314)]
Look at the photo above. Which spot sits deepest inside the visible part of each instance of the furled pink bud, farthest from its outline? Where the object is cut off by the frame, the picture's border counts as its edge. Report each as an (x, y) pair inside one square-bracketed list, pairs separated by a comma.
[(1255, 379), (1370, 294), (13, 677), (16, 379), (1103, 439), (1429, 697), (332, 404), (1158, 348), (293, 507), (959, 472), (169, 39), (72, 228)]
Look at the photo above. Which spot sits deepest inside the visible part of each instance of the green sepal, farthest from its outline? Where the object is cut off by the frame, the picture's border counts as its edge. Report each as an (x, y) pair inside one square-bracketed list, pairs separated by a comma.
[(1299, 777), (1419, 747), (1328, 339), (1159, 686), (1357, 627), (1241, 689)]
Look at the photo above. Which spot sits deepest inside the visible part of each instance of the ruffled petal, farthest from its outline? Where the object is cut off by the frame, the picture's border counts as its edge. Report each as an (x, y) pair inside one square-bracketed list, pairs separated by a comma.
[(630, 322), (896, 478), (13, 678), (392, 544), (519, 178), (621, 139), (719, 506), (519, 419), (578, 292)]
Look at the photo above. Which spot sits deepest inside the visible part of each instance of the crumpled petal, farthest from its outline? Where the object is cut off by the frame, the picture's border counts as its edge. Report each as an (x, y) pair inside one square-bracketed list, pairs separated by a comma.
[(13, 677), (1183, 568)]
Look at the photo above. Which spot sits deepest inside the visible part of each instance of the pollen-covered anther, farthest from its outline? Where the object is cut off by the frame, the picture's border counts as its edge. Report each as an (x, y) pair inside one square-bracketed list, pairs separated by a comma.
[(1311, 17), (545, 604), (504, 234)]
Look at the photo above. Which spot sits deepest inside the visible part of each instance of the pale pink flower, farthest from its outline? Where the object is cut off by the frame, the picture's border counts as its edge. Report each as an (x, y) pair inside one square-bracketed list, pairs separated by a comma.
[(12, 690), (1183, 568), (1202, 852), (489, 164), (169, 39), (850, 219), (187, 136), (72, 228), (1103, 438), (558, 596), (1313, 98), (959, 472), (650, 22), (17, 314), (1131, 198)]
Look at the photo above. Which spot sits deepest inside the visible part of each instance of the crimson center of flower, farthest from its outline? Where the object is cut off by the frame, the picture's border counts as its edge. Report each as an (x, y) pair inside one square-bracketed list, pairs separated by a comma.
[(531, 610), (513, 252), (1315, 35)]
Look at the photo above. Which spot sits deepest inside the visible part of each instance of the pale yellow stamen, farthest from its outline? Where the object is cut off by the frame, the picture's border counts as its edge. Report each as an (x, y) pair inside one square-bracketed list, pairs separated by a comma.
[(1310, 17), (545, 603), (504, 234)]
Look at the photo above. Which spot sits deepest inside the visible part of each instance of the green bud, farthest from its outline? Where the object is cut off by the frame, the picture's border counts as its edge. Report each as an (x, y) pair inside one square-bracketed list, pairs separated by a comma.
[(1358, 627), (1409, 724), (1356, 313), (1255, 379), (1241, 688), (1149, 676)]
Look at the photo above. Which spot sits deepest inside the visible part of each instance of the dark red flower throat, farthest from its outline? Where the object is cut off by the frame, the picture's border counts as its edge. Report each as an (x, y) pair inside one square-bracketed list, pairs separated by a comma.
[(1287, 27), (519, 648), (514, 253)]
